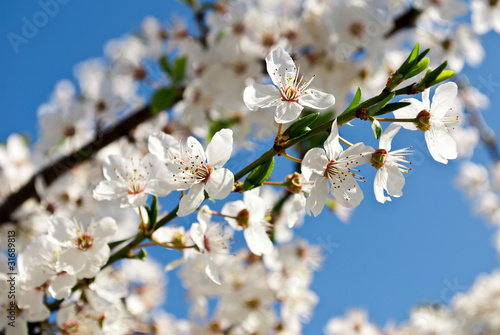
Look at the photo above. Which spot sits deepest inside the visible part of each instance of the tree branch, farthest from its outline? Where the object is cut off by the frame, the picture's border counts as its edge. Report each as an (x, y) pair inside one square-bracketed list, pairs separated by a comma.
[(51, 172)]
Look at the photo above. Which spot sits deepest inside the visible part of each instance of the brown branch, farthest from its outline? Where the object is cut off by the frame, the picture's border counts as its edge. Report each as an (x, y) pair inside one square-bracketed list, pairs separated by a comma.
[(405, 20), (51, 172)]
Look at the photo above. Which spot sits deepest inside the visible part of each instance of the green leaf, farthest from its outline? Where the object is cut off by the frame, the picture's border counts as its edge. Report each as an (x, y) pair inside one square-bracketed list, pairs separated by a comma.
[(301, 126), (153, 212), (391, 108), (431, 76), (421, 66), (179, 69), (259, 175), (377, 129), (445, 75), (165, 66), (376, 108), (408, 63), (355, 101), (162, 99), (139, 255)]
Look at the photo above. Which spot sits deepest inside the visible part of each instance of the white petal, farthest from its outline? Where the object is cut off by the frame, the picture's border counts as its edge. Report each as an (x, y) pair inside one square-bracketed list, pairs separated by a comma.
[(443, 99), (261, 96), (60, 287), (395, 180), (109, 190), (159, 142), (357, 154), (196, 149), (232, 209), (196, 233), (332, 146), (380, 184), (317, 99), (348, 194), (255, 204), (62, 229), (314, 162), (220, 148), (257, 240), (211, 270), (388, 135), (317, 198), (440, 143), (204, 217), (105, 228), (297, 210), (72, 260), (191, 200), (287, 111), (114, 165), (280, 66), (220, 184)]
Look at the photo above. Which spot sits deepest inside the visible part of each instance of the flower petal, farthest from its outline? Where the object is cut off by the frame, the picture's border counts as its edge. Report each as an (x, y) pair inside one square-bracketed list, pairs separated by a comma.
[(332, 146), (220, 148), (443, 99), (232, 209), (388, 135), (348, 194), (197, 235), (161, 145), (317, 99), (287, 111), (380, 184), (60, 287), (317, 198), (314, 163), (257, 240), (280, 66), (395, 180), (220, 183), (191, 200), (261, 96)]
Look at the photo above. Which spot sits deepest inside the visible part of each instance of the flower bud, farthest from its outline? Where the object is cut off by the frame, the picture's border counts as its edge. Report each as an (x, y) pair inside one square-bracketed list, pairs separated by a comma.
[(242, 218), (293, 183), (423, 120), (378, 158)]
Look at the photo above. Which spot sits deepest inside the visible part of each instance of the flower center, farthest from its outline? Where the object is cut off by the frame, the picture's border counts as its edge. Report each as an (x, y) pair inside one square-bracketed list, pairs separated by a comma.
[(378, 158), (85, 241), (423, 121), (357, 29), (243, 217), (202, 172)]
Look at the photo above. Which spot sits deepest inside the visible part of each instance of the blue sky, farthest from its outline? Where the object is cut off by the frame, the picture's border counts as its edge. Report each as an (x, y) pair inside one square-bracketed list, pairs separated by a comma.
[(419, 248)]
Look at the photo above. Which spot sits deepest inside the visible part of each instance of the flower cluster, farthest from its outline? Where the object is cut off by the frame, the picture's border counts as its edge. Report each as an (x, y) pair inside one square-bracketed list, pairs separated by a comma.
[(209, 105)]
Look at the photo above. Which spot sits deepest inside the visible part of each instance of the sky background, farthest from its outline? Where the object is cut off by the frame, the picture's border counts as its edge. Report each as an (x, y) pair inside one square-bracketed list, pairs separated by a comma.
[(420, 248)]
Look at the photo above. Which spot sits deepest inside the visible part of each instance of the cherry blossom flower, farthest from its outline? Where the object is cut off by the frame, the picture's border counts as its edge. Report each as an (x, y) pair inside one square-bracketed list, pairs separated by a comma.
[(200, 171), (249, 215), (290, 92), (85, 246), (130, 180), (389, 166), (333, 164), (432, 120), (212, 240)]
